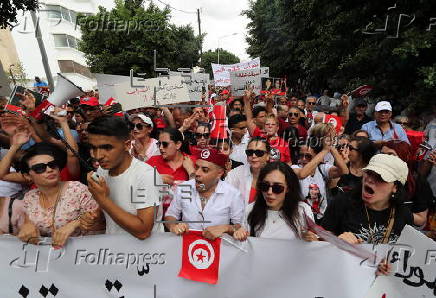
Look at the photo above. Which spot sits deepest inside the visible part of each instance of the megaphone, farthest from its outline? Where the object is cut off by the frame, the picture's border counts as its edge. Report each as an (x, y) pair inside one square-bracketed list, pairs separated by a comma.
[(64, 91)]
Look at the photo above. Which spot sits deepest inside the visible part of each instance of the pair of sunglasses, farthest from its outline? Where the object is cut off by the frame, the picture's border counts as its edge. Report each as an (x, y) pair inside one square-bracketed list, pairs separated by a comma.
[(275, 187), (40, 168), (163, 144), (258, 153), (306, 156), (139, 126), (343, 146), (202, 135), (293, 114), (311, 103)]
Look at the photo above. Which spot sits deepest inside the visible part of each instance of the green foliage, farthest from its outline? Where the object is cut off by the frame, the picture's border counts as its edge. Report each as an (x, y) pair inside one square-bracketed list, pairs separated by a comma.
[(212, 57), (9, 9), (124, 38), (323, 44)]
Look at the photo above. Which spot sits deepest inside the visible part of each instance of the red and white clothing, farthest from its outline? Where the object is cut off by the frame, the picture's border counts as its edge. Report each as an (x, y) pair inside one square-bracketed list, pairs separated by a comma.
[(224, 207), (280, 148), (152, 149), (163, 168), (241, 178)]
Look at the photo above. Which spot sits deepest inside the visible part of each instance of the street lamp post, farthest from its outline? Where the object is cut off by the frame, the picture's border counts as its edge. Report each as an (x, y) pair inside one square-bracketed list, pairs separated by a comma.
[(219, 44)]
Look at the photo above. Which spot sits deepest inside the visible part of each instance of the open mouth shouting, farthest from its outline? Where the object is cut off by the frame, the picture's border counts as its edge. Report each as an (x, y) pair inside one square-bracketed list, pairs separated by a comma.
[(368, 192)]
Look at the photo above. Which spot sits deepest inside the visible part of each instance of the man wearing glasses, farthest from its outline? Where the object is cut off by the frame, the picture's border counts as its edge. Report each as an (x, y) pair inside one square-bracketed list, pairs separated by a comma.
[(213, 205), (310, 104)]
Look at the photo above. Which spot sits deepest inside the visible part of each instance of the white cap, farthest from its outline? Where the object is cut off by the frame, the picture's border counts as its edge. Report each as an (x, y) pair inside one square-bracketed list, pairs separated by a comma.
[(144, 119), (390, 167), (383, 105)]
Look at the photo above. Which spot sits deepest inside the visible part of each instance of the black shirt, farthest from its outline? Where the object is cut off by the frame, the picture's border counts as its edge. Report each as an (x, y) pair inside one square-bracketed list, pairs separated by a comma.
[(353, 124), (347, 214), (349, 182)]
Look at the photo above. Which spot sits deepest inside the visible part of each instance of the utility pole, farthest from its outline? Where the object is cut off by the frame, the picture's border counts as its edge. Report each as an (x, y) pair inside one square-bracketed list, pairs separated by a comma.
[(199, 33), (44, 58)]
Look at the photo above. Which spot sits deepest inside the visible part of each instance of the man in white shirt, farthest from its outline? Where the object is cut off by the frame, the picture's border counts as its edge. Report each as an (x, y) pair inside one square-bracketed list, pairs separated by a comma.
[(239, 137), (127, 189), (213, 205)]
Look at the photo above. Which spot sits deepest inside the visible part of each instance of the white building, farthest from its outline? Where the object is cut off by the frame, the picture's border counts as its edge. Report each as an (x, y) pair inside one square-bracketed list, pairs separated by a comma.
[(57, 22)]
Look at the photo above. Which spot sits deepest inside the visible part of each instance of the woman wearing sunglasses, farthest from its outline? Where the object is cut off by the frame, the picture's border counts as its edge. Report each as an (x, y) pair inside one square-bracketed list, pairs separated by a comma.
[(202, 137), (143, 146), (244, 178), (278, 211), (54, 208)]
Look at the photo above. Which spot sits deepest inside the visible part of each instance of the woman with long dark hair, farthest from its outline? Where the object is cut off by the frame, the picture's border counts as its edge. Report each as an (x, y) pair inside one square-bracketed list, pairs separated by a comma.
[(278, 211)]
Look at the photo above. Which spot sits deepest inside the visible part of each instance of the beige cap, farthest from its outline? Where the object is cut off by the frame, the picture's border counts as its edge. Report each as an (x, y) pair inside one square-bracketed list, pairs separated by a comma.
[(390, 167)]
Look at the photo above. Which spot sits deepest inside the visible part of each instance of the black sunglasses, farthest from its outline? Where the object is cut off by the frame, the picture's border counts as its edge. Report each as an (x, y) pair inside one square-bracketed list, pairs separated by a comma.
[(294, 114), (276, 188), (40, 168), (202, 135), (311, 103), (139, 126), (258, 153), (306, 156), (353, 148), (342, 146), (164, 144)]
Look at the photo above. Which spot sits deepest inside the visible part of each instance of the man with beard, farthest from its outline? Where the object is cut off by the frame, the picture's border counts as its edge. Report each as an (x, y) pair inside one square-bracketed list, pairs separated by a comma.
[(213, 205)]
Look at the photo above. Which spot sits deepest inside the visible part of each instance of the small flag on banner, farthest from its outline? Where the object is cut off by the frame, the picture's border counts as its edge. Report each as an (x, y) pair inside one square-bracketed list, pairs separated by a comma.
[(200, 258)]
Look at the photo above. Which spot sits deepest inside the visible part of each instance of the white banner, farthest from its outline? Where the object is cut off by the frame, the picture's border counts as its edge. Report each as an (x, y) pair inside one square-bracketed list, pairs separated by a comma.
[(241, 79), (116, 266), (413, 261), (197, 83), (221, 73), (140, 92)]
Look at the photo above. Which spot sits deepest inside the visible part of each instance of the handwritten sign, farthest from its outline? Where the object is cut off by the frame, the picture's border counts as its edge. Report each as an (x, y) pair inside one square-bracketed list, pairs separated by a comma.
[(144, 92), (197, 83), (413, 261), (242, 79), (221, 73)]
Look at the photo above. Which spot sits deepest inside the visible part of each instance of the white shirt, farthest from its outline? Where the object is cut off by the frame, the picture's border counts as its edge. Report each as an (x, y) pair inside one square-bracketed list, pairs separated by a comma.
[(133, 190), (276, 226), (238, 150), (320, 178), (152, 149), (225, 206), (241, 178), (8, 189)]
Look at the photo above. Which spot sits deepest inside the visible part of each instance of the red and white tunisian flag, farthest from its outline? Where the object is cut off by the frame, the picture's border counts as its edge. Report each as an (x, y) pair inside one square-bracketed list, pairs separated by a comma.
[(361, 91), (336, 121), (219, 122), (200, 258)]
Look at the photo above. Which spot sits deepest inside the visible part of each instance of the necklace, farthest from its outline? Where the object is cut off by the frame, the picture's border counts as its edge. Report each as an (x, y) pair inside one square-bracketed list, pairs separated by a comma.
[(58, 196), (388, 227)]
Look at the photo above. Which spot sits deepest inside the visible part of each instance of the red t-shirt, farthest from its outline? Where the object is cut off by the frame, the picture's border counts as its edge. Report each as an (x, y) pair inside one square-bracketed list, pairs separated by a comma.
[(252, 196), (283, 148), (259, 133), (163, 168)]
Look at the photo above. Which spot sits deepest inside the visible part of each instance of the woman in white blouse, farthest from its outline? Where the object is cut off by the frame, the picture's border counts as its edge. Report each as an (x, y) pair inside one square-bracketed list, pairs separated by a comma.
[(278, 211)]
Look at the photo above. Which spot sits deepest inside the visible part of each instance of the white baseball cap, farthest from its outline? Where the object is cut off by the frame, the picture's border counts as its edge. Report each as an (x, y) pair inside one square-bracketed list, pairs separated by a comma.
[(383, 105), (144, 118), (390, 167)]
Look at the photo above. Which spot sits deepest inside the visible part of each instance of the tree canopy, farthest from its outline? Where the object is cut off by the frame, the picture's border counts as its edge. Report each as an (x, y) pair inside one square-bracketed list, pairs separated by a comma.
[(9, 9), (340, 44), (124, 38)]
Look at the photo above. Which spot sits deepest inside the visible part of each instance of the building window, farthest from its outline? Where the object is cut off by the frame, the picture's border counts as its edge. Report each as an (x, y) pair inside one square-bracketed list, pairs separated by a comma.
[(69, 66), (60, 12), (65, 41)]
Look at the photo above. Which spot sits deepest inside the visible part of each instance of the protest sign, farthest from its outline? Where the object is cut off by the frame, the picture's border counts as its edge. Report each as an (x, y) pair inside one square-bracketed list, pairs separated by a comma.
[(276, 86), (413, 261), (120, 265), (242, 79), (142, 92), (197, 83), (221, 73)]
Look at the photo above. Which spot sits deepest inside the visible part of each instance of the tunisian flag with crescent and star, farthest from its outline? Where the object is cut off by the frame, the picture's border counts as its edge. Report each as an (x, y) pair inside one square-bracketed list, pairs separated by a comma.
[(200, 258), (219, 122)]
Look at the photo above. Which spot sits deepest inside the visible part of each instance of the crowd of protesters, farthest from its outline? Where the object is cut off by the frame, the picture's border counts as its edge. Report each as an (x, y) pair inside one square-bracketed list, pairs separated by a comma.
[(99, 169)]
